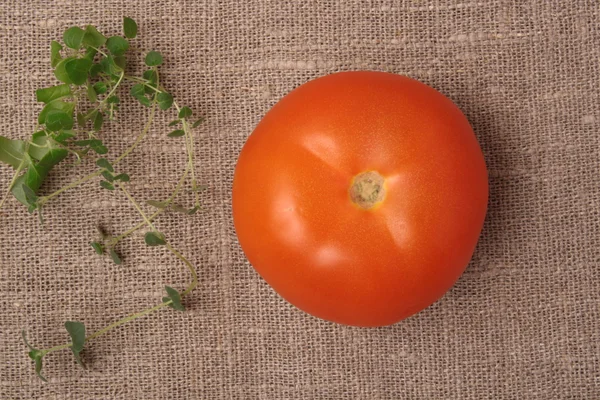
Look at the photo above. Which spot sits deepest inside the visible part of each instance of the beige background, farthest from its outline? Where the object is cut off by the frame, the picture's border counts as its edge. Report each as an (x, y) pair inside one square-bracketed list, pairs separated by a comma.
[(522, 322)]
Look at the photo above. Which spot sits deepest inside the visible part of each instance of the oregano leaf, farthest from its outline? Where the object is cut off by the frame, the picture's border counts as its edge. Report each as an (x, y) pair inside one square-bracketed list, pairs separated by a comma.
[(153, 58), (115, 257), (55, 49), (129, 27), (77, 332), (103, 163), (154, 239), (92, 37), (58, 105), (73, 37), (78, 69), (122, 178), (176, 133), (57, 120), (98, 120), (117, 45), (165, 100), (198, 122), (107, 185), (185, 112), (108, 176), (173, 123), (137, 90), (98, 248), (11, 151), (60, 72), (175, 298), (48, 94), (151, 76), (100, 87), (91, 93), (36, 355), (157, 204)]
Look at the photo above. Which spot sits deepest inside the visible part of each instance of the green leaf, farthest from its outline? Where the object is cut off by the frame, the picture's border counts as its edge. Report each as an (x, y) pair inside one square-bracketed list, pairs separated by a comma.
[(115, 257), (91, 93), (100, 87), (100, 149), (81, 120), (185, 112), (98, 120), (73, 37), (180, 209), (195, 124), (109, 66), (48, 94), (98, 248), (62, 137), (153, 59), (117, 45), (90, 53), (129, 27), (176, 133), (173, 123), (11, 151), (108, 176), (96, 69), (144, 100), (137, 90), (60, 72), (121, 61), (165, 100), (30, 195), (37, 357), (92, 37), (40, 139), (175, 298), (37, 172), (113, 100), (122, 178), (107, 185), (77, 332), (57, 120), (157, 204), (151, 75), (57, 105), (55, 49), (154, 239), (103, 163), (78, 69)]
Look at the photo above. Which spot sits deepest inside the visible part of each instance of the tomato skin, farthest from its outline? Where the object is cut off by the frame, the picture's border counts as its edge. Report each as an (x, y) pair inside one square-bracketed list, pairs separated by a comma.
[(304, 235)]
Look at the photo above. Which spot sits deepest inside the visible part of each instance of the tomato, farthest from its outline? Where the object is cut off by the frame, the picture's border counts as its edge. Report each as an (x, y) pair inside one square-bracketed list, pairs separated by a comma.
[(360, 197)]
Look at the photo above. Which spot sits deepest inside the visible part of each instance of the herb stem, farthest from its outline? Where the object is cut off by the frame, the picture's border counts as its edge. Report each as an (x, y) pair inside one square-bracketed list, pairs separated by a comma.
[(190, 267), (12, 182), (114, 89), (189, 147), (137, 207)]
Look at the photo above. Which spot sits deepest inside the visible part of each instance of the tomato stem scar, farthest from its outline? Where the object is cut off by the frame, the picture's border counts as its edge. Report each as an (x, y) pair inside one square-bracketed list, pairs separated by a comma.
[(367, 189)]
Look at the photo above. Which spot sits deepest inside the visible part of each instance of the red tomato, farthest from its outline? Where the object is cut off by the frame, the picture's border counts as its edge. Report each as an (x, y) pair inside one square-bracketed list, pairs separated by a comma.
[(360, 197)]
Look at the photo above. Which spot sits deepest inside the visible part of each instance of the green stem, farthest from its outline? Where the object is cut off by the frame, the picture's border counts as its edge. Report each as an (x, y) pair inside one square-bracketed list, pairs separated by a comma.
[(122, 236), (189, 148), (12, 182), (190, 267), (114, 87), (137, 207)]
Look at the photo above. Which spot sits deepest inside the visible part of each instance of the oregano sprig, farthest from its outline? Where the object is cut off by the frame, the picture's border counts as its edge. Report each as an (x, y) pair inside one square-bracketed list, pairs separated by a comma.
[(91, 69)]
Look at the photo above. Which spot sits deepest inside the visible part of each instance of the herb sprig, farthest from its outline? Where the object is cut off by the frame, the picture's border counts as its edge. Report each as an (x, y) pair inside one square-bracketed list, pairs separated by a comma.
[(92, 70)]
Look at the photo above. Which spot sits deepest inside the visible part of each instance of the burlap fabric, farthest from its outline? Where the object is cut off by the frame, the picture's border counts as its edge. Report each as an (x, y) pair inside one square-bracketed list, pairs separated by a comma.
[(523, 321)]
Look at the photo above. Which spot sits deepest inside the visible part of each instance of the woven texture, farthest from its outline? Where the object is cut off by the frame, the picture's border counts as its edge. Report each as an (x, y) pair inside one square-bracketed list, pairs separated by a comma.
[(523, 322)]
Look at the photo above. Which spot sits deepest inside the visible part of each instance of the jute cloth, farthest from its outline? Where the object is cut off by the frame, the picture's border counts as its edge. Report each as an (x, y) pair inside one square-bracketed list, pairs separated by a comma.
[(521, 323)]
